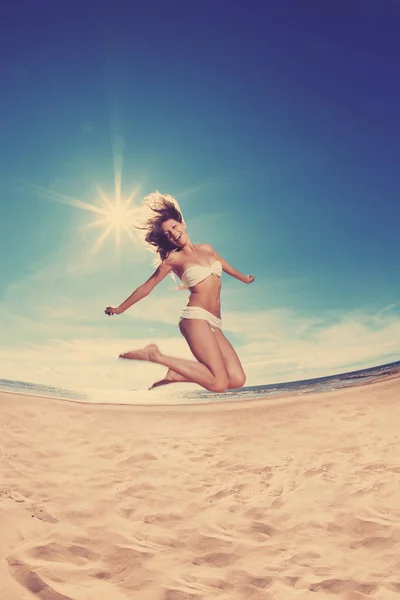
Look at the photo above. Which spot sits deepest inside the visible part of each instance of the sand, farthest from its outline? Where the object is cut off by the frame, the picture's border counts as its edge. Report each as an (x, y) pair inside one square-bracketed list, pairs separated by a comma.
[(288, 499)]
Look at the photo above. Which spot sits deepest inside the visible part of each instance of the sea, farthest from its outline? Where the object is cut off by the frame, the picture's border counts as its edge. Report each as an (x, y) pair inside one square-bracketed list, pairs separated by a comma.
[(168, 395)]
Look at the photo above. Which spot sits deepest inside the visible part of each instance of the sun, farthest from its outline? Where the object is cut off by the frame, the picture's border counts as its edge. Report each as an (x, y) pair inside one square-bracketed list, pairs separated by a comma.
[(116, 218), (116, 215)]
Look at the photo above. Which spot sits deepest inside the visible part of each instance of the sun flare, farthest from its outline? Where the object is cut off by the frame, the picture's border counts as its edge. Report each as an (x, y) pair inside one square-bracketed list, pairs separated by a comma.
[(116, 216)]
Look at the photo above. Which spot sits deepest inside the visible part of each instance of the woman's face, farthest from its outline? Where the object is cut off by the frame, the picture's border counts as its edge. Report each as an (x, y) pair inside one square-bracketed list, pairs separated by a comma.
[(174, 231)]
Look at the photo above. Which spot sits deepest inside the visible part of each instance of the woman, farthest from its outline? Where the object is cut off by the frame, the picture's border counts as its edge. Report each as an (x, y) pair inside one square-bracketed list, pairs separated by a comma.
[(199, 267)]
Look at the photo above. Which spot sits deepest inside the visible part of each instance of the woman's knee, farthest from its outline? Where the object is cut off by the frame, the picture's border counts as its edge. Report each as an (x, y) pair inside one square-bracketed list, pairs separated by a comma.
[(219, 385), (236, 381)]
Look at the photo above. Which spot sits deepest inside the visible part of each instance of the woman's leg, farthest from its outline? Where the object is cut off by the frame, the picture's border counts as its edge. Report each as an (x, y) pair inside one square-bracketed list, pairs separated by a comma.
[(236, 375), (233, 366), (209, 372)]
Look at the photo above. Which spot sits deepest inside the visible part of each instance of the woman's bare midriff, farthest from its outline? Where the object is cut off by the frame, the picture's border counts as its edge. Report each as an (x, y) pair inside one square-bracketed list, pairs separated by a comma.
[(206, 294)]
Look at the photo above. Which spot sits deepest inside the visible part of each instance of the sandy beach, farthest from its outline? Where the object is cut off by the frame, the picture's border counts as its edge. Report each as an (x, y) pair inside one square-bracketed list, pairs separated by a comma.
[(286, 499)]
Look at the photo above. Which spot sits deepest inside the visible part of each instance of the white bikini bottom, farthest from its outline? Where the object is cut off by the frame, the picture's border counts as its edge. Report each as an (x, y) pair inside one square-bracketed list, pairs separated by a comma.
[(196, 312)]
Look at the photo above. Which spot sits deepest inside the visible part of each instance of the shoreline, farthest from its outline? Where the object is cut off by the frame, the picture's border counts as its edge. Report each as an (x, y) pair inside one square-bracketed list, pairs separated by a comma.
[(285, 395)]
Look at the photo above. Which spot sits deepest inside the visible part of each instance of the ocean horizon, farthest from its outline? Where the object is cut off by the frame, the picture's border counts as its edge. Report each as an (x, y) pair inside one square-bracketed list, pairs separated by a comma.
[(169, 396)]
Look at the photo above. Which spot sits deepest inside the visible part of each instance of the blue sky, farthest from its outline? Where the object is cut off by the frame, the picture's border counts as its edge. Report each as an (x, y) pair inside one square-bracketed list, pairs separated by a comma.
[(275, 126)]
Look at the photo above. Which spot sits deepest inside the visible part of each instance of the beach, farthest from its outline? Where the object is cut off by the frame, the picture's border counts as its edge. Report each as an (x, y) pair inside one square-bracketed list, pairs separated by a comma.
[(293, 498)]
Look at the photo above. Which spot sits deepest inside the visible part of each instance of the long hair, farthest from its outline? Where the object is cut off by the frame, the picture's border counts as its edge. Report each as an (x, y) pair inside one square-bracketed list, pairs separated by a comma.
[(158, 208)]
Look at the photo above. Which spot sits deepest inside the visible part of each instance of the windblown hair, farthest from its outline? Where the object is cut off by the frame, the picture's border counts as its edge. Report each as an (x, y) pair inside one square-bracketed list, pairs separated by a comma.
[(163, 207)]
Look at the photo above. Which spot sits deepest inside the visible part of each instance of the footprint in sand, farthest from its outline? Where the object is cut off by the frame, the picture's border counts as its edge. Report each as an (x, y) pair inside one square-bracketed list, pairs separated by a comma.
[(42, 515), (162, 518), (17, 497), (318, 470), (10, 495), (30, 580), (366, 527), (208, 544), (255, 513), (178, 595), (342, 586), (264, 528), (377, 543), (222, 494), (215, 559), (39, 513), (137, 460), (54, 552), (260, 583), (43, 569)]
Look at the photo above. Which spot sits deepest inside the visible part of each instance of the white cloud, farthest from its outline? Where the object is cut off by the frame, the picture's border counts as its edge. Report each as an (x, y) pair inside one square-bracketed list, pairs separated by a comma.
[(280, 345), (86, 363), (274, 346)]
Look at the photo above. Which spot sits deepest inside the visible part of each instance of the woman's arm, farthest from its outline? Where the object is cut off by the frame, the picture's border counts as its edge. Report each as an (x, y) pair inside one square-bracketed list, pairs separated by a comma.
[(227, 268), (142, 291)]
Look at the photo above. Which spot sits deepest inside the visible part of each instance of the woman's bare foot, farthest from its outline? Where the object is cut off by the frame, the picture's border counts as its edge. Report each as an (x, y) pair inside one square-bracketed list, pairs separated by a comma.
[(151, 353), (161, 382), (171, 377)]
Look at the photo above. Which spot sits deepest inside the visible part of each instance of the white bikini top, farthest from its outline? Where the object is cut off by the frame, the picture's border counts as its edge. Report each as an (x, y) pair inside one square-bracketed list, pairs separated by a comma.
[(197, 273)]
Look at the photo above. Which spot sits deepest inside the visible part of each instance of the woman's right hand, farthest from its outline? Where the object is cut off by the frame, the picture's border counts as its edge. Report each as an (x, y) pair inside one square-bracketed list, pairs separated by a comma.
[(110, 310)]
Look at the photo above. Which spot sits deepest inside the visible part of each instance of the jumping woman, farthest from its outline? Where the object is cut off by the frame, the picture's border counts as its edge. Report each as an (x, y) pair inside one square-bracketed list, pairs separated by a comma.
[(199, 267)]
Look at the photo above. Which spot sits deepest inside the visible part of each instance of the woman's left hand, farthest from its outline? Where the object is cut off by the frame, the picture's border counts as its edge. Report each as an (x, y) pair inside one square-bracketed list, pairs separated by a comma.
[(250, 278), (110, 310)]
